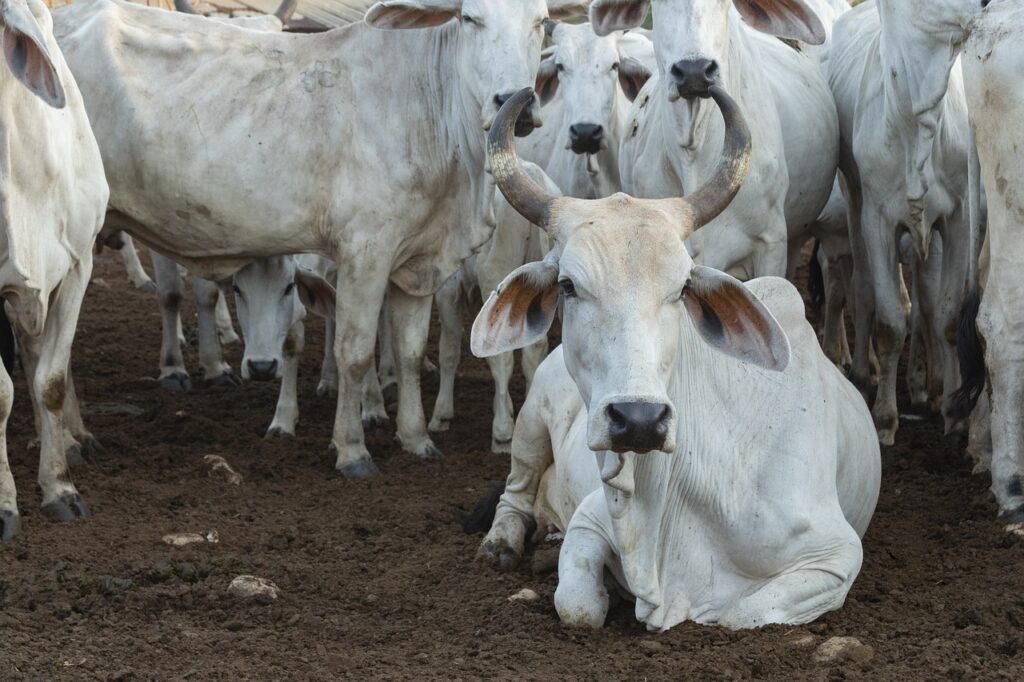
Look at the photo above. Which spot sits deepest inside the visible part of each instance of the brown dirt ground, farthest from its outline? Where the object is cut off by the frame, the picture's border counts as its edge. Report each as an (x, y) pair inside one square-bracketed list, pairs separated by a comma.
[(377, 578)]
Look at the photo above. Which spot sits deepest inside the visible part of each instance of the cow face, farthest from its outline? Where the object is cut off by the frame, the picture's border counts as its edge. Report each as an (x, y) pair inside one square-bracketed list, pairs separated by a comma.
[(629, 288), (25, 48), (587, 69), (499, 45), (271, 296), (691, 37)]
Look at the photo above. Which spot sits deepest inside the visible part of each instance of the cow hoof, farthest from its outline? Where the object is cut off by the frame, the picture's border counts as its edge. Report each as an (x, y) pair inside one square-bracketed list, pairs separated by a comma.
[(278, 432), (439, 424), (324, 390), (499, 555), (429, 368), (359, 470), (10, 524), (148, 287), (501, 446), (176, 383), (73, 456), (373, 421), (227, 380), (428, 452), (67, 507)]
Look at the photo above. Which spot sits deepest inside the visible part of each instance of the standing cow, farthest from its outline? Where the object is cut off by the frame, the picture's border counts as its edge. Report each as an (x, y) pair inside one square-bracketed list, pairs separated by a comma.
[(224, 145), (690, 435), (53, 200), (672, 144)]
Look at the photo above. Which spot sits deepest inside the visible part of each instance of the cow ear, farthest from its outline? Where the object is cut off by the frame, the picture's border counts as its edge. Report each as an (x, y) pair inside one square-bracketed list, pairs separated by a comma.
[(607, 16), (633, 76), (316, 293), (27, 56), (566, 9), (732, 320), (793, 19), (547, 80), (397, 14), (519, 313)]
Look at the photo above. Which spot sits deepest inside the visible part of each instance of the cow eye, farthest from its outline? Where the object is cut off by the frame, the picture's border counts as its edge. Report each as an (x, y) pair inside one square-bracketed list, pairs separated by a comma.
[(289, 289), (559, 67), (469, 20), (567, 287)]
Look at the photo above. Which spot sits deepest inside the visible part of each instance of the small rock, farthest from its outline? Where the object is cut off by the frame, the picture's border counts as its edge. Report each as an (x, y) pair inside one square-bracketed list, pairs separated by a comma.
[(651, 645), (838, 649), (102, 283), (108, 584), (251, 587), (545, 560), (967, 617), (422, 656), (525, 594), (219, 465), (371, 599), (1016, 529), (802, 641), (182, 539)]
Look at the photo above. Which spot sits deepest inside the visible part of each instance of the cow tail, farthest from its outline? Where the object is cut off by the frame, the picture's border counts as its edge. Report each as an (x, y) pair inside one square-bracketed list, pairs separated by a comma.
[(480, 519), (972, 359), (8, 346), (816, 279)]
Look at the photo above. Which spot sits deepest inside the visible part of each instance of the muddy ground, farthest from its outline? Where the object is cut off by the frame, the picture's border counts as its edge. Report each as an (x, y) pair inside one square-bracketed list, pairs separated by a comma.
[(377, 578)]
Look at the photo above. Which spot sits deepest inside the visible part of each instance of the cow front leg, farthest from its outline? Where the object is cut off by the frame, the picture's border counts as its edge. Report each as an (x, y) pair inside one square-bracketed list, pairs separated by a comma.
[(51, 353), (211, 357), (170, 291), (581, 598), (449, 307), (329, 369), (410, 325), (503, 422), (356, 316), (226, 333), (286, 414), (9, 519)]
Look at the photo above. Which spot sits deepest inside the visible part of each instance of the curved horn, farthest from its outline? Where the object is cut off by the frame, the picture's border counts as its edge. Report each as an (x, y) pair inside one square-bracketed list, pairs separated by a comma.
[(286, 10), (711, 199), (185, 7), (525, 196)]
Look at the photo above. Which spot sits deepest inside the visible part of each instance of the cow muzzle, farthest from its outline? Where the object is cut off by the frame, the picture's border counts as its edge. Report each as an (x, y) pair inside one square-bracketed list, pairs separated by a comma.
[(638, 427), (527, 120), (586, 138), (694, 77), (262, 370)]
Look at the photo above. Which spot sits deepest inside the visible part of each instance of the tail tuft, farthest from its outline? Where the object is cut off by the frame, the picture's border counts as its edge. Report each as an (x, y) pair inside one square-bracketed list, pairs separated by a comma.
[(480, 519), (972, 359)]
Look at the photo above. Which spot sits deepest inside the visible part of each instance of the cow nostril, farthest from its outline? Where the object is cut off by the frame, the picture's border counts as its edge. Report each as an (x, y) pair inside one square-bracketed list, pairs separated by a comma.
[(711, 72), (640, 427), (693, 77)]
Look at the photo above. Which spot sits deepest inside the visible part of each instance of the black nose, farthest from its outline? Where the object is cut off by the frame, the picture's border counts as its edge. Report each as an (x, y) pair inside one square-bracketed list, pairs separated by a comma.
[(586, 138), (694, 77), (262, 370), (524, 124), (638, 427)]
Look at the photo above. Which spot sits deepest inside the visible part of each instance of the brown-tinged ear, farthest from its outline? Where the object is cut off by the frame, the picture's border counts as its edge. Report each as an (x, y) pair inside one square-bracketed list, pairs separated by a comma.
[(732, 320), (27, 55), (519, 313), (316, 293), (633, 76), (566, 9), (397, 14), (607, 16), (547, 80), (793, 19)]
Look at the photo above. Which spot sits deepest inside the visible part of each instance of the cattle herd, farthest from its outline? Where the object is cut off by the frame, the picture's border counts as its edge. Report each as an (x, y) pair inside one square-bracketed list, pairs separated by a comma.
[(693, 437)]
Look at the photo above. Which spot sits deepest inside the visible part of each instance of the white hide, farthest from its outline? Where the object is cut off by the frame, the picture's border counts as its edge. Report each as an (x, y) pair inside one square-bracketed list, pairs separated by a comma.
[(993, 64), (361, 144), (52, 200)]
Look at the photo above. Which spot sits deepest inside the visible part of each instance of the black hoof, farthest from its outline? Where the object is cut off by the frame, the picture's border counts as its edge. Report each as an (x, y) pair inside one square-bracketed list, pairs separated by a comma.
[(278, 432), (359, 470), (176, 383), (10, 523), (67, 507), (227, 380), (73, 456), (500, 556), (148, 288)]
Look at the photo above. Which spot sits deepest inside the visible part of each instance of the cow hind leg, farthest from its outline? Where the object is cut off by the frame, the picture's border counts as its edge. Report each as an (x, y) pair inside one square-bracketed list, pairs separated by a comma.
[(329, 369), (581, 598), (133, 266), (170, 289), (374, 411), (450, 308), (503, 423), (410, 324), (9, 519), (226, 333), (211, 357), (286, 414)]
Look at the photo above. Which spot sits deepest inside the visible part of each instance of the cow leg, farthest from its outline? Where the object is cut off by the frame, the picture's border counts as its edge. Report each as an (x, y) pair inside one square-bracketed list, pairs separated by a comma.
[(374, 412), (286, 414), (410, 325), (532, 356), (170, 289), (9, 519), (532, 454), (356, 315), (329, 369), (920, 314), (957, 247), (503, 423), (211, 358), (770, 257), (979, 441), (581, 598), (450, 308), (73, 422), (835, 302), (226, 333), (386, 372), (133, 266), (50, 354)]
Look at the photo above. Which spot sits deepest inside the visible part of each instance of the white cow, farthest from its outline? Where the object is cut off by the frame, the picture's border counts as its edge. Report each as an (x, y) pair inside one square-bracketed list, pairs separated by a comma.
[(586, 84), (689, 436), (905, 142), (53, 200), (364, 145), (993, 63), (672, 144)]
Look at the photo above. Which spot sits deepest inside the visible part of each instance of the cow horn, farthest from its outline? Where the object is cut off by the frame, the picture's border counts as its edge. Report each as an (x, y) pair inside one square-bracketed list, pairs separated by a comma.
[(711, 199), (525, 195), (286, 10), (185, 7)]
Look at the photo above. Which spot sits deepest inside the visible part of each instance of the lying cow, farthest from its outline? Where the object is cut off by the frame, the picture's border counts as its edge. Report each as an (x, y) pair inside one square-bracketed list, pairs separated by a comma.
[(689, 435), (54, 199)]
